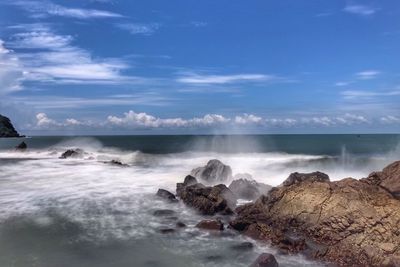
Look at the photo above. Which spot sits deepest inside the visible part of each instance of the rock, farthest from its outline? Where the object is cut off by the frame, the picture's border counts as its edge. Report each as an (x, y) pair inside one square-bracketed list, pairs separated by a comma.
[(72, 153), (207, 200), (214, 172), (160, 213), (265, 260), (348, 222), (248, 189), (243, 246), (312, 177), (166, 230), (6, 128), (21, 146), (117, 163), (166, 195), (180, 225), (388, 178), (211, 225), (189, 180)]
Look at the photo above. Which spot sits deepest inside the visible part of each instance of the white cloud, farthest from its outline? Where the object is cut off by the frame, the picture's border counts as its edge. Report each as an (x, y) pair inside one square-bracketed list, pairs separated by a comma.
[(248, 119), (139, 28), (362, 10), (193, 78), (11, 72), (367, 74), (353, 94), (390, 119), (340, 84), (52, 58), (41, 9), (133, 120)]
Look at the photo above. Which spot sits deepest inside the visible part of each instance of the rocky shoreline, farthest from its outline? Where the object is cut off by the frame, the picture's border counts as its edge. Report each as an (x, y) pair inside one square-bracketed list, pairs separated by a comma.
[(348, 222)]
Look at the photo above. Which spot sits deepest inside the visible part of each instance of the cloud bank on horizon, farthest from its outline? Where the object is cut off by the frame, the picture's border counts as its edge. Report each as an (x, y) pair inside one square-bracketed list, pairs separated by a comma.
[(190, 66)]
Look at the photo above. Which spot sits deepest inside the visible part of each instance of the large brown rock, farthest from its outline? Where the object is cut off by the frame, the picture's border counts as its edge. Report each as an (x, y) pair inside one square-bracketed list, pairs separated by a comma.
[(388, 178), (350, 222), (208, 200)]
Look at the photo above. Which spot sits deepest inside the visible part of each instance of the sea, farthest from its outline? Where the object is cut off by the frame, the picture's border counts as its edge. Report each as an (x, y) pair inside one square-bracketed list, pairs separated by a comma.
[(87, 212)]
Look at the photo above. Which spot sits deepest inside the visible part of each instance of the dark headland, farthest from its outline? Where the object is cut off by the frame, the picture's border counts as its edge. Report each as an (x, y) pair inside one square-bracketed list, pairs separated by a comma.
[(7, 129)]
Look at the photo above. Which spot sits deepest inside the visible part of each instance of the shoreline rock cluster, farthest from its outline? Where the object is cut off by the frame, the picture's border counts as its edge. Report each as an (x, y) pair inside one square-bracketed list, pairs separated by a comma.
[(348, 222)]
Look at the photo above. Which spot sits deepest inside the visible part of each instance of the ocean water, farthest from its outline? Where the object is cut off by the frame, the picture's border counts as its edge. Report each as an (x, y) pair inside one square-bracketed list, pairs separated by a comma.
[(86, 212)]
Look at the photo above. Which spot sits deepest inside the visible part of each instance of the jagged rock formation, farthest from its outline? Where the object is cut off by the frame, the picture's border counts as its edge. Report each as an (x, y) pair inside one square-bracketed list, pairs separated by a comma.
[(350, 222), (208, 200), (214, 172), (6, 128)]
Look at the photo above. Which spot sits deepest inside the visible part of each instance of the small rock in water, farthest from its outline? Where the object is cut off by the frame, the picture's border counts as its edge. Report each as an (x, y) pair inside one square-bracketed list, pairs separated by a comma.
[(160, 213), (248, 189), (180, 225), (21, 146), (117, 163), (243, 246), (165, 194), (167, 230), (265, 260), (211, 225), (72, 153), (215, 258)]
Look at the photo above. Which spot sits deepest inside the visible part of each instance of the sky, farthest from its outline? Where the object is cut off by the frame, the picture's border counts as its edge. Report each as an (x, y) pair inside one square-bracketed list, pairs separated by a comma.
[(209, 66)]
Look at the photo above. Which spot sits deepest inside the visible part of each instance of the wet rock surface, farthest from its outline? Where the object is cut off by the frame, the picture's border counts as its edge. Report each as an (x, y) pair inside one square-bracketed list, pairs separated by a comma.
[(349, 222), (265, 260), (208, 200), (72, 153), (21, 146), (211, 225), (166, 195), (214, 172)]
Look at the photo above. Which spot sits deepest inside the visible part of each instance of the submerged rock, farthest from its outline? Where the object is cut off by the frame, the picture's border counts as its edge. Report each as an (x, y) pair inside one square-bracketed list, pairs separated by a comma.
[(349, 222), (243, 246), (22, 146), (211, 225), (265, 260), (6, 128), (248, 189), (72, 153), (164, 212), (167, 230), (214, 172), (166, 195), (207, 200)]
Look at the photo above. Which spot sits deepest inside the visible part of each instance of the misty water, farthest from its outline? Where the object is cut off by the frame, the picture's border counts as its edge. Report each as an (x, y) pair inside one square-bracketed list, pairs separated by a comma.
[(87, 212)]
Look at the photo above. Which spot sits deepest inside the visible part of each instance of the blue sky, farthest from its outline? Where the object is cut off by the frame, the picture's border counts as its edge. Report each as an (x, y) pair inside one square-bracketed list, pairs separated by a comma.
[(226, 66)]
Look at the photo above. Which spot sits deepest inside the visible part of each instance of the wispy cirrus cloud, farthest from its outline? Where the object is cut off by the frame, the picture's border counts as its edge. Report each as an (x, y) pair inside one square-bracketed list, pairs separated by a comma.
[(362, 10), (139, 28), (49, 57), (199, 79), (40, 9), (353, 94), (367, 74), (11, 71)]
